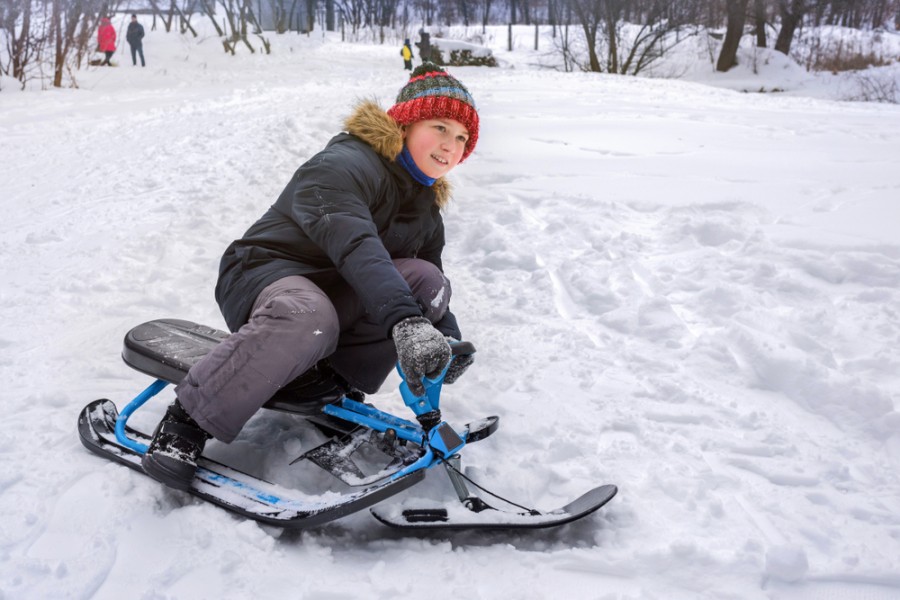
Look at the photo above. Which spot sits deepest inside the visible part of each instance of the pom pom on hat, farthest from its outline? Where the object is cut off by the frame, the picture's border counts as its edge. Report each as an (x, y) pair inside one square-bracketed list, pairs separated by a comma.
[(432, 93)]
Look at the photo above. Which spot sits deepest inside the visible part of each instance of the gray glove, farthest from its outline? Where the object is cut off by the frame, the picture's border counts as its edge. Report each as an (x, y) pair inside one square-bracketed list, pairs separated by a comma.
[(422, 351)]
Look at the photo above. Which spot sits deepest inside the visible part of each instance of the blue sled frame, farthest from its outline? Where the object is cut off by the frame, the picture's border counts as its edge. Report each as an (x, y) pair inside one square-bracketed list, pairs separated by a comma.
[(105, 432)]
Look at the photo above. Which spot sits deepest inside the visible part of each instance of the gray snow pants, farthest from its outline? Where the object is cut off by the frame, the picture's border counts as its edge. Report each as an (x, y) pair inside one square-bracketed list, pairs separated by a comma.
[(293, 324)]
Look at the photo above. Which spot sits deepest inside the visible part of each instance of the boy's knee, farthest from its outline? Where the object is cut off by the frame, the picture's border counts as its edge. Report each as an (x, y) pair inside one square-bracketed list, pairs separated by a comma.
[(299, 314), (429, 286), (303, 306)]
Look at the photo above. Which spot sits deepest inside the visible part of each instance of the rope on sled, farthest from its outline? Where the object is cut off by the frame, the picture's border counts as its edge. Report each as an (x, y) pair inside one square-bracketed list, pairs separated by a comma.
[(488, 492)]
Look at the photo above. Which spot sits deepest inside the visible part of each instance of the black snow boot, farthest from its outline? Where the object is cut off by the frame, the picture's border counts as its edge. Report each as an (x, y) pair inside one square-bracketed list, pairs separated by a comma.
[(176, 445), (316, 387)]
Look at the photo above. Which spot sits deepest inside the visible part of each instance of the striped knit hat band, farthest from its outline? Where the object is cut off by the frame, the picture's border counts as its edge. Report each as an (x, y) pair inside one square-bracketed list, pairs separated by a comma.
[(432, 93)]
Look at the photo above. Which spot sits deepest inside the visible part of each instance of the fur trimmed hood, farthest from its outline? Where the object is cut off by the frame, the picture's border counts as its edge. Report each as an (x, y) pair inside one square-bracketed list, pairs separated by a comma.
[(370, 123)]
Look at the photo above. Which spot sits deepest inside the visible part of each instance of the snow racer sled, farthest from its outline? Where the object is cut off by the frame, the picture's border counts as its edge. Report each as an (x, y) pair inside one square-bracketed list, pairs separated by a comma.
[(167, 348)]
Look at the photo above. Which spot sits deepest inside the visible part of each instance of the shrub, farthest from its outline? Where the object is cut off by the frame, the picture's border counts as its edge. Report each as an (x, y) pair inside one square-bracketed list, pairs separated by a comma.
[(465, 58)]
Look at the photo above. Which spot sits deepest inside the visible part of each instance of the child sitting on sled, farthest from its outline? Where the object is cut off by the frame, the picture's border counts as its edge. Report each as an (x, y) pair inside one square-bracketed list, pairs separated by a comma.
[(339, 280)]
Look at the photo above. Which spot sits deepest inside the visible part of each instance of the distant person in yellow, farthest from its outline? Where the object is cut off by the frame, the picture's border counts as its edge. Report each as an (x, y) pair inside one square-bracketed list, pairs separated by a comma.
[(407, 55)]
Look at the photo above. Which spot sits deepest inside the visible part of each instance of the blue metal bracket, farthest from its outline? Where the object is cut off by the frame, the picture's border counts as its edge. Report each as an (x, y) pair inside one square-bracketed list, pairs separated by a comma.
[(152, 390), (368, 416), (431, 401)]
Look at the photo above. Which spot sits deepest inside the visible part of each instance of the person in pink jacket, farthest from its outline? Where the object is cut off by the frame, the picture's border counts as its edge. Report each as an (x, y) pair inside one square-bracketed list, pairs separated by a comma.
[(106, 39)]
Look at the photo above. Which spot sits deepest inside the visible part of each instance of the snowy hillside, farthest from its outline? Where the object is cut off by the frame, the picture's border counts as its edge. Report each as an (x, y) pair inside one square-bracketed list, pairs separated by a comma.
[(690, 292)]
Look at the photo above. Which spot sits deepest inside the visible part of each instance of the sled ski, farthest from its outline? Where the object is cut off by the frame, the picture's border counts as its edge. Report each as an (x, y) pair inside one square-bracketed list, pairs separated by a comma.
[(475, 513), (234, 490), (167, 348)]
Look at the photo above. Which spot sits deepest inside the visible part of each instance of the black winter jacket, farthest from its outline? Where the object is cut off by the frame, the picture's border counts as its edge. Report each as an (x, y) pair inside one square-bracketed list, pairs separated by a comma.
[(135, 34), (343, 216)]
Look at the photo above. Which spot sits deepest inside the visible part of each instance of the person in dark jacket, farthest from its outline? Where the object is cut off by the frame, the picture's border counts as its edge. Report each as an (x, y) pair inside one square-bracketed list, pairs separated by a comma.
[(340, 279), (135, 37), (424, 45)]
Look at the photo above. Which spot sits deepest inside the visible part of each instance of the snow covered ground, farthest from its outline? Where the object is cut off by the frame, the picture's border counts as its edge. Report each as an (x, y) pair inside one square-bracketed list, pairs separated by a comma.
[(691, 292)]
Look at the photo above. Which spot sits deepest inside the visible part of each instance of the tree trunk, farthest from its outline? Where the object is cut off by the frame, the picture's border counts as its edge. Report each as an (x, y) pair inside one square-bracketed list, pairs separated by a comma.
[(791, 15), (59, 60), (184, 20), (209, 9), (21, 46), (737, 14), (612, 38), (464, 9), (590, 36), (329, 15), (759, 13), (485, 15), (311, 15)]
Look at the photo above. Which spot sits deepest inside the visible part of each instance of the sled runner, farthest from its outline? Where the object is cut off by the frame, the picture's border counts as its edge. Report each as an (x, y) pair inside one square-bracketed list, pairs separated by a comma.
[(167, 348)]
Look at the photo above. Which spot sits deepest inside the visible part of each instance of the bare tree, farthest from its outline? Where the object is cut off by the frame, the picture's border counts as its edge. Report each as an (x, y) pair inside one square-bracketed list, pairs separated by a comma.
[(427, 9), (791, 12), (329, 15), (734, 31), (761, 21), (22, 45), (184, 19), (591, 15), (50, 39), (484, 7), (240, 21), (166, 18), (464, 10), (614, 47), (352, 12)]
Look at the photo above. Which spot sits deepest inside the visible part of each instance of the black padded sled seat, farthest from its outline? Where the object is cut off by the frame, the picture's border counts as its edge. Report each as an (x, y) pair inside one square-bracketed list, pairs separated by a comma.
[(168, 348)]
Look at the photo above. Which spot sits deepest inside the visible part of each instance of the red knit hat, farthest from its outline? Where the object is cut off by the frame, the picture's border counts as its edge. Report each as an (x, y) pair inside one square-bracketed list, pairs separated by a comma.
[(432, 93)]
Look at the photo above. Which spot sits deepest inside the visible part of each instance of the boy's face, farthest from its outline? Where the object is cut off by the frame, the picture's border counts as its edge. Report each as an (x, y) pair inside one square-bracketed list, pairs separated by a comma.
[(436, 145)]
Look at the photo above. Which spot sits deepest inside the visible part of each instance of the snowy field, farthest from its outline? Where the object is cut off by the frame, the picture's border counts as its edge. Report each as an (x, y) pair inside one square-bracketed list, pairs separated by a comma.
[(688, 291)]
